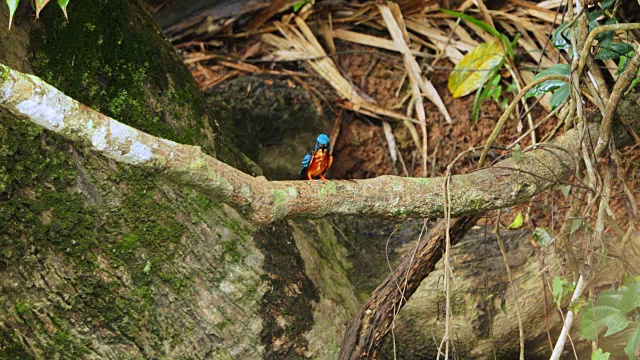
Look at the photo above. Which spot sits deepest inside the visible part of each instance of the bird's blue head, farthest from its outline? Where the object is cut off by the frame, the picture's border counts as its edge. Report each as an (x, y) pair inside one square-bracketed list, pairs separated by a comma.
[(322, 142)]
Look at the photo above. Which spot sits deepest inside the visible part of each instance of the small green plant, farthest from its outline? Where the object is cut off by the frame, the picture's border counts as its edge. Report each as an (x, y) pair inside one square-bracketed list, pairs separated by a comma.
[(37, 5), (298, 5), (617, 310), (478, 69), (607, 50)]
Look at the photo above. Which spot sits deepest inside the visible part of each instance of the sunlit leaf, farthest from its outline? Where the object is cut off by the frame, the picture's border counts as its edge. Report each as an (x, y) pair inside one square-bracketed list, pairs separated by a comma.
[(599, 355), (297, 6), (633, 344), (40, 4), (517, 222), (13, 5), (63, 5), (147, 267), (560, 288), (516, 152), (471, 71), (559, 96), (624, 62), (631, 297), (575, 225), (614, 51), (564, 189), (550, 85), (503, 305), (541, 237), (607, 311)]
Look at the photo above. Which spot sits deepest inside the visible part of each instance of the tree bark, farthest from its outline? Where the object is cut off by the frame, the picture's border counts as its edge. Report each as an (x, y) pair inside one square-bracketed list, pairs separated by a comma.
[(484, 317), (102, 260)]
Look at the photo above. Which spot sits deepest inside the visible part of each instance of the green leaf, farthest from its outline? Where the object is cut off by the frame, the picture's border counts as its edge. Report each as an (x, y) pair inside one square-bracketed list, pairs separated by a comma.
[(517, 222), (593, 16), (474, 21), (13, 5), (147, 267), (297, 6), (599, 355), (541, 237), (559, 96), (472, 70), (475, 111), (564, 189), (614, 51), (605, 4), (560, 288), (560, 37), (516, 152), (551, 85), (630, 297), (633, 345), (490, 88), (63, 5), (503, 305), (606, 311), (624, 62), (606, 38), (40, 4), (575, 225)]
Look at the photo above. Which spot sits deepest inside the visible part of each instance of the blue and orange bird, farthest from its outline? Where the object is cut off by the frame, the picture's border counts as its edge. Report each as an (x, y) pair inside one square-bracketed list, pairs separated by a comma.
[(317, 162)]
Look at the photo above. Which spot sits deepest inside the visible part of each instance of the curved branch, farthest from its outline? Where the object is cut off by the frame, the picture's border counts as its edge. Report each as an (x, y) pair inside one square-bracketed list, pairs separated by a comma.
[(265, 201)]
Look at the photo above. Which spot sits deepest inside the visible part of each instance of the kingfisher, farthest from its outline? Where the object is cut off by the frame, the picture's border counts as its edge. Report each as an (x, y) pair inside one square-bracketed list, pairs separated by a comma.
[(317, 162)]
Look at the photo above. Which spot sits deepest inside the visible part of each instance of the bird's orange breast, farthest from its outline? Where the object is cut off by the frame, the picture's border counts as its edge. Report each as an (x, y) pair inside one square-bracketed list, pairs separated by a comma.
[(319, 163)]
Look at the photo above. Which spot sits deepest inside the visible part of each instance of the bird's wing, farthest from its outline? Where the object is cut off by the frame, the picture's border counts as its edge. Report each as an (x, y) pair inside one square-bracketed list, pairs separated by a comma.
[(305, 166), (307, 160)]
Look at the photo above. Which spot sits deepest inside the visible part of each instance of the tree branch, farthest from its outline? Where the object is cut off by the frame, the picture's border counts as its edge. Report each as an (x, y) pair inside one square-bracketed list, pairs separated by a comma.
[(264, 201)]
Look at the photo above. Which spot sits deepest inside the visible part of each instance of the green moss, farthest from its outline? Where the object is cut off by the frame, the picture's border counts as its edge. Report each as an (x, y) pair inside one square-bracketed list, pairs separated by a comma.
[(111, 59), (114, 64), (40, 214), (22, 307), (328, 189)]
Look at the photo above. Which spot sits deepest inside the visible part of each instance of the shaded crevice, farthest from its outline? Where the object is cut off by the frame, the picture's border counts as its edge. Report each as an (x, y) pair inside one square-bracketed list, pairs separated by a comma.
[(287, 305)]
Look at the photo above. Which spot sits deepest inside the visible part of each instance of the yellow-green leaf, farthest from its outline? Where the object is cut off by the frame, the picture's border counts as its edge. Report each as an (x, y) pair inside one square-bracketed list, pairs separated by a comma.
[(517, 222), (13, 5), (40, 4), (471, 72), (63, 5)]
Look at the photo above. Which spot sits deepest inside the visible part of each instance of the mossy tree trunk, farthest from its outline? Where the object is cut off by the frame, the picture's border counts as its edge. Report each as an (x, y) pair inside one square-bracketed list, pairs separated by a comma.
[(100, 260)]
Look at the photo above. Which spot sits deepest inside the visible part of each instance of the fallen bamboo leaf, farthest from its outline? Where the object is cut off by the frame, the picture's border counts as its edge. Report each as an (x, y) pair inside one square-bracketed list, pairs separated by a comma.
[(410, 62), (299, 43), (391, 141)]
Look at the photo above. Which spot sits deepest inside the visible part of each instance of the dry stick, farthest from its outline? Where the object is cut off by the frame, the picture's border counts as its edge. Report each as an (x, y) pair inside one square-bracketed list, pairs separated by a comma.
[(595, 32), (565, 230), (413, 71), (513, 287), (619, 88), (365, 332), (446, 189), (555, 111), (615, 155), (509, 110), (568, 321), (263, 201)]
